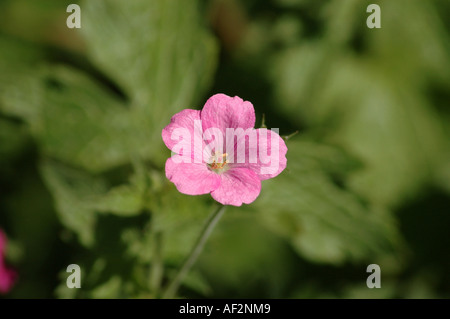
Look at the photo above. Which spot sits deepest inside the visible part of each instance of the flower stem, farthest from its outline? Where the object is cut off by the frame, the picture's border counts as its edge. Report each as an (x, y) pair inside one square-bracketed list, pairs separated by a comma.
[(157, 269), (197, 249)]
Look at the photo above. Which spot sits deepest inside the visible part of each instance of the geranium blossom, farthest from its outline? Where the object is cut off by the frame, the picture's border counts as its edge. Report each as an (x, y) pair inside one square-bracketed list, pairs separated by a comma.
[(7, 275), (217, 150)]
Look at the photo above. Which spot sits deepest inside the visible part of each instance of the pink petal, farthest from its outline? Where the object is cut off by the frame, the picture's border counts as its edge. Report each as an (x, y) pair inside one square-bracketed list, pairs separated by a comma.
[(222, 112), (181, 123), (191, 178), (7, 276), (238, 185), (7, 279), (260, 157)]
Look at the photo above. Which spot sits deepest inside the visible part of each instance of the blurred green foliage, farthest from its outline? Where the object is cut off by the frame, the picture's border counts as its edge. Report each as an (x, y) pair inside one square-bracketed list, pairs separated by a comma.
[(368, 177)]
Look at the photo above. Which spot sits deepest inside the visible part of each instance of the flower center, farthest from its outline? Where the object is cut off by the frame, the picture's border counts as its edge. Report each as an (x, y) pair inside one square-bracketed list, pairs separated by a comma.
[(218, 161)]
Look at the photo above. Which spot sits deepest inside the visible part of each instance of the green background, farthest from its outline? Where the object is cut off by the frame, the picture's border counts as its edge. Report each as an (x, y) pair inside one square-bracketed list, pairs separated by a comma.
[(368, 177)]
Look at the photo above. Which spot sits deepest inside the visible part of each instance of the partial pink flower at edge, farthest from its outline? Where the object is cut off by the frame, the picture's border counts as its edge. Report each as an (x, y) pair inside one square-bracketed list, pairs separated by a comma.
[(7, 275), (228, 182)]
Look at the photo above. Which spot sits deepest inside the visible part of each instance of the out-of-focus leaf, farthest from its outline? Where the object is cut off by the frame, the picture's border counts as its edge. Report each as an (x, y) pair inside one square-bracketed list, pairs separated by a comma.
[(43, 21), (386, 123), (195, 281), (72, 117), (16, 61), (13, 139), (324, 223), (80, 196), (17, 55), (418, 46), (360, 291), (392, 129), (242, 250), (374, 104), (181, 218), (108, 290), (157, 50), (81, 124), (62, 291), (122, 200), (443, 175), (162, 66), (70, 188), (177, 216), (138, 244), (294, 71), (159, 54)]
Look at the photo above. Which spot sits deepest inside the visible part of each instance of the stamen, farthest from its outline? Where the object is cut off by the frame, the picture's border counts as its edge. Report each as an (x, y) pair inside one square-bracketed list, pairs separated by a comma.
[(218, 161)]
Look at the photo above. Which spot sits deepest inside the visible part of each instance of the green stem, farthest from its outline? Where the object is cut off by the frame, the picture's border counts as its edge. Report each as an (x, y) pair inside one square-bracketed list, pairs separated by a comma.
[(157, 268), (197, 249)]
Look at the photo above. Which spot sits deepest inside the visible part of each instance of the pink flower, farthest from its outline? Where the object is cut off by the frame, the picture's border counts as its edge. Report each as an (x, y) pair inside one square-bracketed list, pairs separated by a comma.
[(218, 151), (7, 275)]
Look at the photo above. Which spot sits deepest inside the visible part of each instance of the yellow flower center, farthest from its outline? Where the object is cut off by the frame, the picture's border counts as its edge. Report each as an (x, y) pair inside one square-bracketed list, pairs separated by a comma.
[(218, 161)]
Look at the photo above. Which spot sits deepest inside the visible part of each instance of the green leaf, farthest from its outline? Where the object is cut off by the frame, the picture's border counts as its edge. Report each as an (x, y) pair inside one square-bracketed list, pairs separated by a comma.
[(109, 289), (157, 51), (80, 196), (70, 188), (13, 139), (238, 243), (423, 52), (81, 124), (180, 217), (162, 67), (123, 200), (366, 109), (195, 281), (373, 103), (392, 129), (17, 87), (324, 222), (72, 117)]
